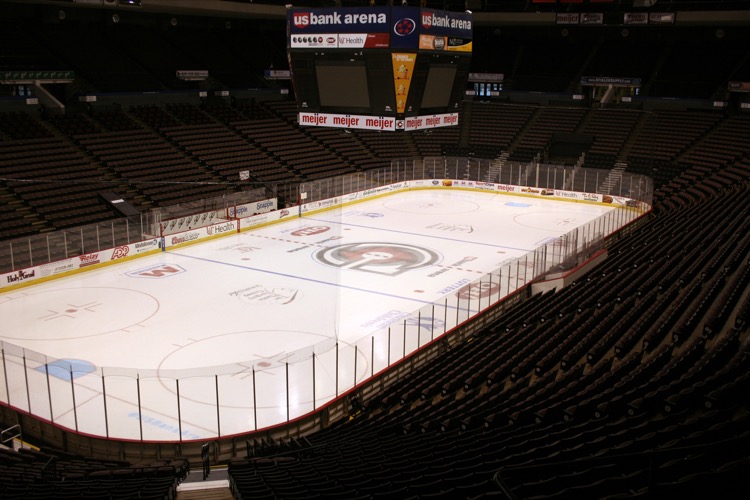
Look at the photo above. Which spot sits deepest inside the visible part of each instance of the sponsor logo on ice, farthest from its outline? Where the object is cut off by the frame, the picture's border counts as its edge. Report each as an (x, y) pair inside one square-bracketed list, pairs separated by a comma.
[(478, 291), (310, 230), (156, 271), (426, 323), (267, 295)]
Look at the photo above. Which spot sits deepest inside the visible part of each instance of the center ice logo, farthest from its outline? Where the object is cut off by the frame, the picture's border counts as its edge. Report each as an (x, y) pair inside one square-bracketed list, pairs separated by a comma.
[(390, 259)]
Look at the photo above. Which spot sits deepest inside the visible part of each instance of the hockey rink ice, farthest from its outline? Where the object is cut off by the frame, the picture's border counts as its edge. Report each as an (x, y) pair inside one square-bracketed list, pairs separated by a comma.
[(249, 330)]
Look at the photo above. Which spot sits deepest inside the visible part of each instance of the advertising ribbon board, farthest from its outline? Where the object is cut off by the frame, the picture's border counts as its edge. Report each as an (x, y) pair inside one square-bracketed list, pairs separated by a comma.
[(305, 21)]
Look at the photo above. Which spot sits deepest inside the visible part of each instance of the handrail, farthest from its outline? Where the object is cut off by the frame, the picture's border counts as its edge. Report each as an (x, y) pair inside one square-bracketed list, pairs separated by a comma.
[(4, 432)]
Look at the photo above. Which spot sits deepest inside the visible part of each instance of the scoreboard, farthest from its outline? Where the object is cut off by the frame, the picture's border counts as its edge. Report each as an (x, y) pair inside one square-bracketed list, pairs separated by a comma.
[(380, 68)]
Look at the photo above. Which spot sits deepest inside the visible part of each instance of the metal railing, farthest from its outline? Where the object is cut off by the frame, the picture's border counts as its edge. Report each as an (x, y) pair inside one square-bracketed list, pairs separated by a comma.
[(50, 247)]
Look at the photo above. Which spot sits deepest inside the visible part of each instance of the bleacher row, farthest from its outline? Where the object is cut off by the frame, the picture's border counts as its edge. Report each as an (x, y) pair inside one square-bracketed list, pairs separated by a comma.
[(160, 155), (45, 474), (631, 383)]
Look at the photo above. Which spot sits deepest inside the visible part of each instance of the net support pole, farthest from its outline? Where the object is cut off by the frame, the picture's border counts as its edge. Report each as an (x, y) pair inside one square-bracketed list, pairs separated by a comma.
[(419, 329), (403, 354), (26, 379), (218, 407), (179, 409), (104, 404), (286, 382), (140, 409), (445, 316), (255, 402), (389, 352), (489, 294), (49, 396), (458, 309), (432, 323), (5, 374), (75, 407), (313, 382)]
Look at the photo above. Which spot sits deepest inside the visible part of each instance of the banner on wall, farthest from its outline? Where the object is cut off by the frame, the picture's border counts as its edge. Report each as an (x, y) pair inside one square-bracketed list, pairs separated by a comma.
[(427, 121), (444, 43), (256, 207), (739, 86), (347, 121), (403, 69), (610, 80), (444, 23)]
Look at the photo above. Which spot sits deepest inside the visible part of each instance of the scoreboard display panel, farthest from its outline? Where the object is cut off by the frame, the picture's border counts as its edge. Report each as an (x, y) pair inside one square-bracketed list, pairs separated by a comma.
[(343, 86), (438, 87), (389, 68), (342, 82)]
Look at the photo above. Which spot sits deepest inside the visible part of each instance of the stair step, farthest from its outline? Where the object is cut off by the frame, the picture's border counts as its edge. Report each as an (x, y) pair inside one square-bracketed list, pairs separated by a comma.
[(220, 493)]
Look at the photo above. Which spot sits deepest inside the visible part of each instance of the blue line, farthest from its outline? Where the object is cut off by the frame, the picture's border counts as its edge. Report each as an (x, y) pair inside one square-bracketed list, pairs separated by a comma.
[(299, 278), (418, 234)]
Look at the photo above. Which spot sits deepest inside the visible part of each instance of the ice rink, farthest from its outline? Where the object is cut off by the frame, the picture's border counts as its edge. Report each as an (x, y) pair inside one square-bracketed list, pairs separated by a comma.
[(150, 348)]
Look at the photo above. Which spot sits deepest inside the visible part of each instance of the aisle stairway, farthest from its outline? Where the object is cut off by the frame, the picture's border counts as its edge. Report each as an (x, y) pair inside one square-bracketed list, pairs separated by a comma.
[(214, 487)]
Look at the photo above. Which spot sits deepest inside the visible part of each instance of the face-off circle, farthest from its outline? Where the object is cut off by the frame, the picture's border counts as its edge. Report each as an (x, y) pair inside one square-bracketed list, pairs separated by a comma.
[(548, 220), (389, 259), (254, 353), (432, 206), (93, 310)]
